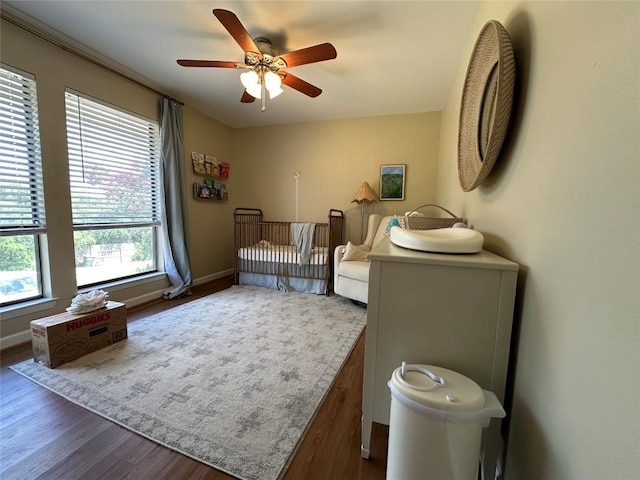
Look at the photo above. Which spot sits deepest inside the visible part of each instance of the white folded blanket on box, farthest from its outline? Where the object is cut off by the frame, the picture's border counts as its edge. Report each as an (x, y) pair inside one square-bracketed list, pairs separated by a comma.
[(88, 302)]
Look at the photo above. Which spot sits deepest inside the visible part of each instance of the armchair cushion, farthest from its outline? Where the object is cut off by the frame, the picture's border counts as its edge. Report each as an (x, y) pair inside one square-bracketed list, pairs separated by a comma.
[(355, 271), (351, 277), (355, 253)]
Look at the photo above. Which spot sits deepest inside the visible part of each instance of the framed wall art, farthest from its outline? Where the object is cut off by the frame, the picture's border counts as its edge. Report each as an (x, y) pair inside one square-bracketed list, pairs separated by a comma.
[(392, 182)]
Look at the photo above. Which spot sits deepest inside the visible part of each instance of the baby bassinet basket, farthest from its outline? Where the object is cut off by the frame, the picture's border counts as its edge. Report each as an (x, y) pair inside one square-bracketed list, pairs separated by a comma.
[(414, 220)]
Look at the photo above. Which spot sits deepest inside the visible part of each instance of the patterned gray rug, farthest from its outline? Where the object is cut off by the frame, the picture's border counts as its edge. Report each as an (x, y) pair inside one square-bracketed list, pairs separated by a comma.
[(232, 379)]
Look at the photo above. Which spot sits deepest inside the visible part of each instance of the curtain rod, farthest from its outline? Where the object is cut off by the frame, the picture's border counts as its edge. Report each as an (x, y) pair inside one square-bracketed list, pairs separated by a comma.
[(87, 58)]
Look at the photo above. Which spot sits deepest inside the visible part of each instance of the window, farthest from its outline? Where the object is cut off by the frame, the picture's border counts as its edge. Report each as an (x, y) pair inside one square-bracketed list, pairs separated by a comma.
[(114, 176), (21, 193)]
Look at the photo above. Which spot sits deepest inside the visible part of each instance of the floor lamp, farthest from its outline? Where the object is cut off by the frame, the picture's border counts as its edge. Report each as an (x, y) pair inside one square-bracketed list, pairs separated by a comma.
[(362, 196)]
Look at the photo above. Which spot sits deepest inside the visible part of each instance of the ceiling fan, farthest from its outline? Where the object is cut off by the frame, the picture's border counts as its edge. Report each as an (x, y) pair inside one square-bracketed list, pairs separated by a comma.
[(266, 67)]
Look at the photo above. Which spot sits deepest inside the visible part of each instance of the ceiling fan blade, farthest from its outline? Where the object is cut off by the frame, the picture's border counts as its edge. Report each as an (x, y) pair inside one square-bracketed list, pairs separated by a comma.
[(317, 53), (238, 32), (206, 63), (300, 85), (246, 98)]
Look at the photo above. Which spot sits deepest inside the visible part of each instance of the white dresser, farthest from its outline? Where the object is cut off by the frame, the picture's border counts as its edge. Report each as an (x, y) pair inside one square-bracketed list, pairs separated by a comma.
[(453, 311)]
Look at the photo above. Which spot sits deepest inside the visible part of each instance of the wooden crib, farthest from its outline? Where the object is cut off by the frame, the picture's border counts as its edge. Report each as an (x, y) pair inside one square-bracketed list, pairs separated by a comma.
[(265, 253)]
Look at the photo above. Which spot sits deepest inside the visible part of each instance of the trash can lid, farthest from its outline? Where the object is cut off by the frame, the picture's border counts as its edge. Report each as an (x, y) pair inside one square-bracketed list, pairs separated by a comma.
[(438, 388)]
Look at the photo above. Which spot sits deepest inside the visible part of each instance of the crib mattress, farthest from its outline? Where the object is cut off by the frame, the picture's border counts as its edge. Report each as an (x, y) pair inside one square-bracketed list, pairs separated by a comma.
[(282, 254)]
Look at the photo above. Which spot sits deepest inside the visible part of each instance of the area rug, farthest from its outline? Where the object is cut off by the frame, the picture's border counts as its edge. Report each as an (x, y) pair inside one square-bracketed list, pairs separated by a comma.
[(232, 380)]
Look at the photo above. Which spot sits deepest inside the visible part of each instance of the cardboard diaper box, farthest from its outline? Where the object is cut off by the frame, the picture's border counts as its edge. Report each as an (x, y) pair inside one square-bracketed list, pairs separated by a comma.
[(64, 337)]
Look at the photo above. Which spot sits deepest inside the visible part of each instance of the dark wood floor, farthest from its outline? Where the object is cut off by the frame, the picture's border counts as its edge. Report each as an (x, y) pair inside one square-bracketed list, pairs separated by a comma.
[(44, 436)]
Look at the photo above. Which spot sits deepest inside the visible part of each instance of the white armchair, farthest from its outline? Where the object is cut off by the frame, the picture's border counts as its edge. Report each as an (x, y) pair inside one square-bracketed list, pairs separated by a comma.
[(351, 278)]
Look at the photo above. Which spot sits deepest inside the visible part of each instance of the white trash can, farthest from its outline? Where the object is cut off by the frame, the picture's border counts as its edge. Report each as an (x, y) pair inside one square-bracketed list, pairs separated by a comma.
[(436, 421)]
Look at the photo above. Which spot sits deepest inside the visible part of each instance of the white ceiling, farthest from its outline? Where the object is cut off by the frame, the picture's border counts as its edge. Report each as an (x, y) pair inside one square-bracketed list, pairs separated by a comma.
[(393, 56)]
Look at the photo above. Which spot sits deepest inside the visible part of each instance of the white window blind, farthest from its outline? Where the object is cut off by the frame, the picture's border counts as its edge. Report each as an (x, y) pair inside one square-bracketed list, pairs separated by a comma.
[(113, 166), (21, 190)]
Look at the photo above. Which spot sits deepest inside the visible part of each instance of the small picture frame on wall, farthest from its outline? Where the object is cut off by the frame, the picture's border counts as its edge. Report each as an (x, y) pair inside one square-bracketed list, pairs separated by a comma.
[(392, 181)]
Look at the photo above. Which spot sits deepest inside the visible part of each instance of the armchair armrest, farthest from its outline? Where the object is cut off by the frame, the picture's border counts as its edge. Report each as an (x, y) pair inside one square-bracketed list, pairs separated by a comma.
[(338, 253)]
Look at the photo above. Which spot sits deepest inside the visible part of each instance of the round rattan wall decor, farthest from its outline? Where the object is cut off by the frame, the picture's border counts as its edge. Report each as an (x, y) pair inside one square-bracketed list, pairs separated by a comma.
[(485, 110)]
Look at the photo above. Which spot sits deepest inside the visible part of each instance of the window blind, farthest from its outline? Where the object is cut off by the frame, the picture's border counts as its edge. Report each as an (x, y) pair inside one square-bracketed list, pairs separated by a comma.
[(21, 188), (113, 165)]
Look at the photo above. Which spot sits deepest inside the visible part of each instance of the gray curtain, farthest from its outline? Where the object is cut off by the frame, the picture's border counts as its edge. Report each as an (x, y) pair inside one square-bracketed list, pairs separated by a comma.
[(174, 213)]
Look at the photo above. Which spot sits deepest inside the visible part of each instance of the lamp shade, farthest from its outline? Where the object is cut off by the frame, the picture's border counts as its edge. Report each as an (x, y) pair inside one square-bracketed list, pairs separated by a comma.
[(274, 91), (272, 80), (364, 194), (249, 79), (255, 90)]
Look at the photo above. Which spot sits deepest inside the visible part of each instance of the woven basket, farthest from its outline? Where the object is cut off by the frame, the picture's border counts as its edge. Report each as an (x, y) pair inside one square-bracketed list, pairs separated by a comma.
[(420, 222)]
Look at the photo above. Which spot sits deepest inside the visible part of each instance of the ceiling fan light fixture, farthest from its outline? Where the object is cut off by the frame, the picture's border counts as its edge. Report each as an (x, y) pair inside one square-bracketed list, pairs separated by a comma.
[(273, 83), (265, 65), (255, 90), (274, 92), (252, 82), (249, 80), (272, 80)]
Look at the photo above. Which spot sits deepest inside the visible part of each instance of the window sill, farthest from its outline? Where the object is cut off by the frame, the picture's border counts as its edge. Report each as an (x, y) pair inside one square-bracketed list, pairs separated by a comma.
[(26, 308), (41, 304), (126, 283)]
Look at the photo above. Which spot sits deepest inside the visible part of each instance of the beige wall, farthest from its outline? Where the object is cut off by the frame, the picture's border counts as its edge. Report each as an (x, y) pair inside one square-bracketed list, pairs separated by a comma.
[(563, 202), (56, 70), (334, 158), (210, 222)]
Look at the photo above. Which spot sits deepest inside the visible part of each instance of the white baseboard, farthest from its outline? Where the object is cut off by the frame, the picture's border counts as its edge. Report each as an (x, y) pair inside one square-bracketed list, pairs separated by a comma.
[(147, 297), (132, 302), (25, 336), (213, 276), (15, 339)]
